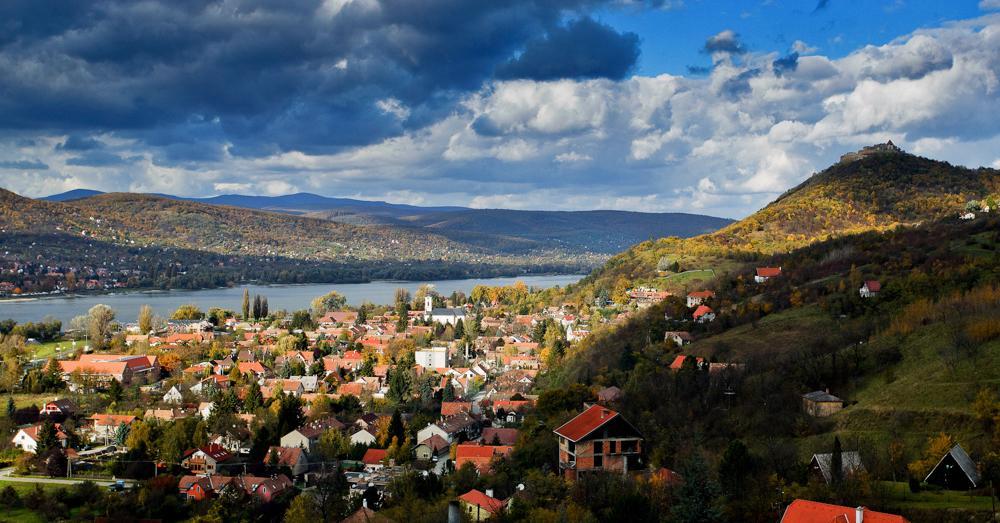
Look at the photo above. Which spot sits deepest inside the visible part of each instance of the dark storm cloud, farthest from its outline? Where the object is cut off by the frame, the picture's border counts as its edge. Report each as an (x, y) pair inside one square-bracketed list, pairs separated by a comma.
[(582, 49), (725, 42), (274, 75), (78, 143), (785, 64), (98, 159), (27, 165)]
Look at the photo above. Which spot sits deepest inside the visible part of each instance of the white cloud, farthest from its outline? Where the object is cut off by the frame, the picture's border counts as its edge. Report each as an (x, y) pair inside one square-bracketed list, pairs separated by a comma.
[(989, 5), (801, 47), (725, 144)]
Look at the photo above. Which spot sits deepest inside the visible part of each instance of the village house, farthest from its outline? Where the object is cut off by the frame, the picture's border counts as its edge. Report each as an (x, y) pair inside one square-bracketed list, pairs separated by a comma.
[(696, 298), (434, 357), (60, 408), (805, 511), (479, 455), (499, 436), (430, 448), (292, 457), (307, 436), (870, 289), (821, 403), (766, 273), (480, 506), (955, 471), (679, 338), (703, 314), (644, 296), (206, 459), (27, 438), (363, 437), (609, 395), (820, 465), (173, 396), (374, 459), (598, 439), (104, 426), (197, 488)]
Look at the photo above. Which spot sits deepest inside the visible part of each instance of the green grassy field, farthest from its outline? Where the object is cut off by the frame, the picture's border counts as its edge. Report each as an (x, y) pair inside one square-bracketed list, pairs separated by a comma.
[(49, 349), (898, 495), (27, 400)]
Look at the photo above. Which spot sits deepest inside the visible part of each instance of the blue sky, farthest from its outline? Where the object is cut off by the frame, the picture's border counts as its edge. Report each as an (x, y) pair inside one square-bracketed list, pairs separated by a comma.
[(647, 105), (672, 38)]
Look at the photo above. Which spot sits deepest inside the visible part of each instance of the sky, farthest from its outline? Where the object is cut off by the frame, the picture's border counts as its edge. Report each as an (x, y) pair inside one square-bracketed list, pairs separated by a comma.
[(710, 107)]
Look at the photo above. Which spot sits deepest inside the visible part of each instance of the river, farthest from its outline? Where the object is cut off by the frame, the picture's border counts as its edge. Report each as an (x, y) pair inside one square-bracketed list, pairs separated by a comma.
[(287, 297)]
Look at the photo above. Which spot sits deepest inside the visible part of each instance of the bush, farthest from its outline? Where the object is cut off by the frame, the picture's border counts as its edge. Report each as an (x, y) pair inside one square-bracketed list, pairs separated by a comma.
[(9, 497), (914, 484)]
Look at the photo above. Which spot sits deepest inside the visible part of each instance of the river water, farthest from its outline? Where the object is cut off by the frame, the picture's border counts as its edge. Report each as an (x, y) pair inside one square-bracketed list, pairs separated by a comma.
[(287, 297)]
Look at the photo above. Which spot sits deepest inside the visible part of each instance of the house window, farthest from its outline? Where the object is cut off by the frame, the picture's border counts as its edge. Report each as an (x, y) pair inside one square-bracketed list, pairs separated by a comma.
[(598, 461), (571, 446), (598, 447), (611, 447), (628, 446)]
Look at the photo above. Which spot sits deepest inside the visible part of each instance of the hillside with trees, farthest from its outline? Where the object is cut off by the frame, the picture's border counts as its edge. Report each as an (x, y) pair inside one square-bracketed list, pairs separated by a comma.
[(874, 193)]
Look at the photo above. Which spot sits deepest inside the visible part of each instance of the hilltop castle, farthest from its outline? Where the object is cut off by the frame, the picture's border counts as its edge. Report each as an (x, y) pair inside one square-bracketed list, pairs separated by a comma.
[(871, 150)]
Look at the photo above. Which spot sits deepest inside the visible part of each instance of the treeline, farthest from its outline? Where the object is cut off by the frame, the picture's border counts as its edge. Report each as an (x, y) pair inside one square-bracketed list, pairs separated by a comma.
[(46, 330)]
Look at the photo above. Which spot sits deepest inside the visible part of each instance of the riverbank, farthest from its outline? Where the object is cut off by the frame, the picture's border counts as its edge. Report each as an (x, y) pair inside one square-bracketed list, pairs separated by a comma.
[(290, 297)]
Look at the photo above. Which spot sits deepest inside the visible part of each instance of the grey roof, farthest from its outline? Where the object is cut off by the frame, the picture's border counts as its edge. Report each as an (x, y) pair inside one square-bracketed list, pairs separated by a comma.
[(850, 463), (964, 462), (821, 396), (458, 311)]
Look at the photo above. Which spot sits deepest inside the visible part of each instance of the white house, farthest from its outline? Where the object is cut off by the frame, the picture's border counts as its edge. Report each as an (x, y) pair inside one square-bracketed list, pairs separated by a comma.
[(679, 338), (173, 396), (870, 288), (433, 358), (27, 437), (363, 437), (445, 316), (431, 430)]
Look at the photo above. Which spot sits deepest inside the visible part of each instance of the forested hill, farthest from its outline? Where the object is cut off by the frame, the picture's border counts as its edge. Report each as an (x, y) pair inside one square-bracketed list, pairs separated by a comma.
[(504, 230), (877, 192)]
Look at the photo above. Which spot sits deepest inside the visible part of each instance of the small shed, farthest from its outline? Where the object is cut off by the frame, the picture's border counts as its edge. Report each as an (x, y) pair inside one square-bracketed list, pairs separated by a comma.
[(821, 403), (955, 471)]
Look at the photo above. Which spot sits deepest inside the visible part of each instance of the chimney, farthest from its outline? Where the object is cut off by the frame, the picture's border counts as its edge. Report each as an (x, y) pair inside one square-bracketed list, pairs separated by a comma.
[(364, 502), (605, 413), (489, 492), (859, 514)]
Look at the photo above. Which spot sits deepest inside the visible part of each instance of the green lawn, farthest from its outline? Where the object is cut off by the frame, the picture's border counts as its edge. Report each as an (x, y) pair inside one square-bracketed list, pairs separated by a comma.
[(52, 348), (22, 400), (20, 515)]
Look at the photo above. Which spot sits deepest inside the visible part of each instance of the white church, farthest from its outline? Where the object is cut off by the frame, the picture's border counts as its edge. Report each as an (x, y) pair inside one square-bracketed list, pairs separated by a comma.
[(445, 316)]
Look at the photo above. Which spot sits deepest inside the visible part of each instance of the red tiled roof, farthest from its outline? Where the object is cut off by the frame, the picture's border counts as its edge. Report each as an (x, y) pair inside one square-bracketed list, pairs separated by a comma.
[(768, 272), (586, 422), (481, 500), (701, 311), (453, 408), (679, 361), (805, 511), (873, 285), (373, 456), (701, 294)]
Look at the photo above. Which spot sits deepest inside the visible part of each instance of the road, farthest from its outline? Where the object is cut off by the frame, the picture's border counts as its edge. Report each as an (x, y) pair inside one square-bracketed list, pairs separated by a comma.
[(5, 475)]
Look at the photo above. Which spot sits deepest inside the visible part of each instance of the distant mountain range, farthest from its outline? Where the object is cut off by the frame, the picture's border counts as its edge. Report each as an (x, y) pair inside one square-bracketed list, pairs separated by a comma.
[(508, 231)]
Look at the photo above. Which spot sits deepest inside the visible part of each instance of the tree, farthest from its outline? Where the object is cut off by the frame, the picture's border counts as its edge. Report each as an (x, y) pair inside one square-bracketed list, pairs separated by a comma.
[(254, 399), (188, 312), (449, 392), (396, 428), (263, 307), (401, 298), (246, 305), (100, 321), (114, 391), (331, 301), (145, 319), (697, 495), (837, 463), (11, 407), (257, 308), (47, 437)]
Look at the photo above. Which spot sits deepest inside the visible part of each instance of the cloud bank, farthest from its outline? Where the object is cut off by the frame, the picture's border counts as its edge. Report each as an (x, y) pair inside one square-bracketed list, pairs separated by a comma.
[(527, 104)]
